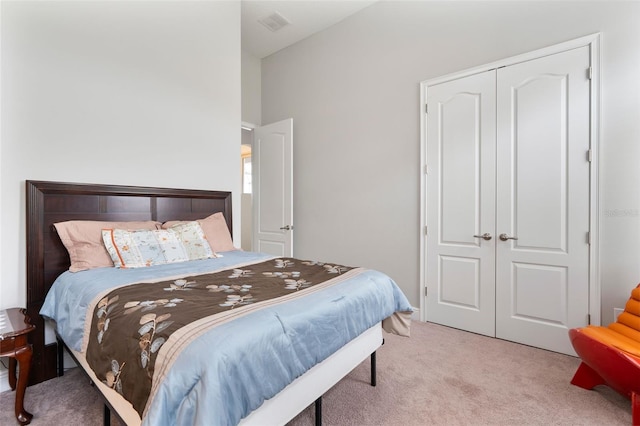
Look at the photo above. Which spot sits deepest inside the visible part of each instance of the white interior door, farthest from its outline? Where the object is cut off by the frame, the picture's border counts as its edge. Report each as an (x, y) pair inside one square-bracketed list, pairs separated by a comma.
[(272, 180), (461, 199), (507, 155), (542, 277)]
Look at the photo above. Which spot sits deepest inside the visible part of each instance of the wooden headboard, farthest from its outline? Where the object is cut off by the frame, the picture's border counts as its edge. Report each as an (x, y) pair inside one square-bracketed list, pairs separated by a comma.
[(51, 202)]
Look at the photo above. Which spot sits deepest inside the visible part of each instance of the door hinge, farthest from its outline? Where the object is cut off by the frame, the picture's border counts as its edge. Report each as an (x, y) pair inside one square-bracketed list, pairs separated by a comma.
[(590, 73), (426, 169), (589, 237), (426, 290), (590, 156), (426, 231), (588, 319), (426, 108)]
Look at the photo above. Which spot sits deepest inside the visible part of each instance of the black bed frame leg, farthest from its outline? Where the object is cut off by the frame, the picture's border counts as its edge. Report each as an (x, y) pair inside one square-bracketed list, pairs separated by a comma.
[(60, 356), (319, 411), (373, 369), (106, 418)]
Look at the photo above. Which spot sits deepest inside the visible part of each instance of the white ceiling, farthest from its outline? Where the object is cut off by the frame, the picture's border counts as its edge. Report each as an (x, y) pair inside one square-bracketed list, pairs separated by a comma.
[(306, 16)]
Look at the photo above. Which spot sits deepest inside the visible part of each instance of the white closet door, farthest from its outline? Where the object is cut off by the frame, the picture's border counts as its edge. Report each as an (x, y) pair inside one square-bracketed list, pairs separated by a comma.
[(542, 277), (460, 268)]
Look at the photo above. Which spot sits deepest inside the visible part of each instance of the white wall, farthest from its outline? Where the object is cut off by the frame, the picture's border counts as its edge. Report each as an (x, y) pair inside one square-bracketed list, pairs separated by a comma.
[(353, 92), (252, 114), (135, 93), (251, 84)]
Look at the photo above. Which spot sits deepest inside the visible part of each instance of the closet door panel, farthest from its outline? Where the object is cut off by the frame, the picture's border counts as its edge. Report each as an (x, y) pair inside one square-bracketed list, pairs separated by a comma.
[(542, 270), (459, 149), (460, 203), (539, 139)]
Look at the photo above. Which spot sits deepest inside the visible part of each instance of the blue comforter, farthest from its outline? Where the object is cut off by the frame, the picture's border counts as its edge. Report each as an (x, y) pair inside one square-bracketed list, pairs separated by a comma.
[(232, 369)]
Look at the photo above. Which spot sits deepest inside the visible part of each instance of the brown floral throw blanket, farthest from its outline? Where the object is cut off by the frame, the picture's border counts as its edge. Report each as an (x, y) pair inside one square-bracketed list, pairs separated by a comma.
[(132, 323)]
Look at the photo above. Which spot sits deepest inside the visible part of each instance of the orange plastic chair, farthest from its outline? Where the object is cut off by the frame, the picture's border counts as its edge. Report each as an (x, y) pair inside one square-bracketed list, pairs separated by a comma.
[(611, 355)]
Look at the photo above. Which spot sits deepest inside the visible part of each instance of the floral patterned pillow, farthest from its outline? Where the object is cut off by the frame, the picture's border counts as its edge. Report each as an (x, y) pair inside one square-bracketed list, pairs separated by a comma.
[(136, 249), (215, 230), (141, 248), (192, 237)]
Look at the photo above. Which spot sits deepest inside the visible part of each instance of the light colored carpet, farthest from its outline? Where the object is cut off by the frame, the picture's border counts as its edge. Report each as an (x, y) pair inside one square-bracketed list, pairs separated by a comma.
[(439, 376)]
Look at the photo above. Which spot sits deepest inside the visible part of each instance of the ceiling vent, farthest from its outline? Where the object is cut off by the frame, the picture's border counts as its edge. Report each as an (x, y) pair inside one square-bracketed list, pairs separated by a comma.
[(274, 22)]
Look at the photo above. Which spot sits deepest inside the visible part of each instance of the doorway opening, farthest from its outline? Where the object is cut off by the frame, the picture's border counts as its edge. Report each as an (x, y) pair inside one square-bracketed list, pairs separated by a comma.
[(246, 207), (267, 207)]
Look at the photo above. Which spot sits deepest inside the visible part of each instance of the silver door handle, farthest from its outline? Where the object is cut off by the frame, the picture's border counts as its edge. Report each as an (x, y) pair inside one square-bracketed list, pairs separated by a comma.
[(485, 236), (505, 237), (287, 228)]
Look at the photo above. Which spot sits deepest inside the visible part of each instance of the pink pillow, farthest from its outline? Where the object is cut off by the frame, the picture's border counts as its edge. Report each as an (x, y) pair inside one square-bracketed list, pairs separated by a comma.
[(83, 241), (215, 229)]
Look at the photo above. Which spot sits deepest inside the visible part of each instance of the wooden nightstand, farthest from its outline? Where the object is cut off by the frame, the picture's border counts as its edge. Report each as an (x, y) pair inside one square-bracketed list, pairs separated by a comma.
[(14, 327)]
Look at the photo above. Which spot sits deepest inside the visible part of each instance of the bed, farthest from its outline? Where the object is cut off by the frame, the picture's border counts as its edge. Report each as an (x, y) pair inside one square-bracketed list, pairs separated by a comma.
[(322, 331)]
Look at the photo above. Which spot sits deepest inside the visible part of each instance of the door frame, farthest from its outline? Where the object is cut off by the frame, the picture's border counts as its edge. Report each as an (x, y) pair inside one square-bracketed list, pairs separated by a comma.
[(593, 42), (250, 127)]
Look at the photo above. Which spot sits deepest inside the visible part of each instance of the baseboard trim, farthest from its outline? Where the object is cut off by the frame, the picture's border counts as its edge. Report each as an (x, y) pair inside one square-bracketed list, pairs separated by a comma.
[(415, 316)]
